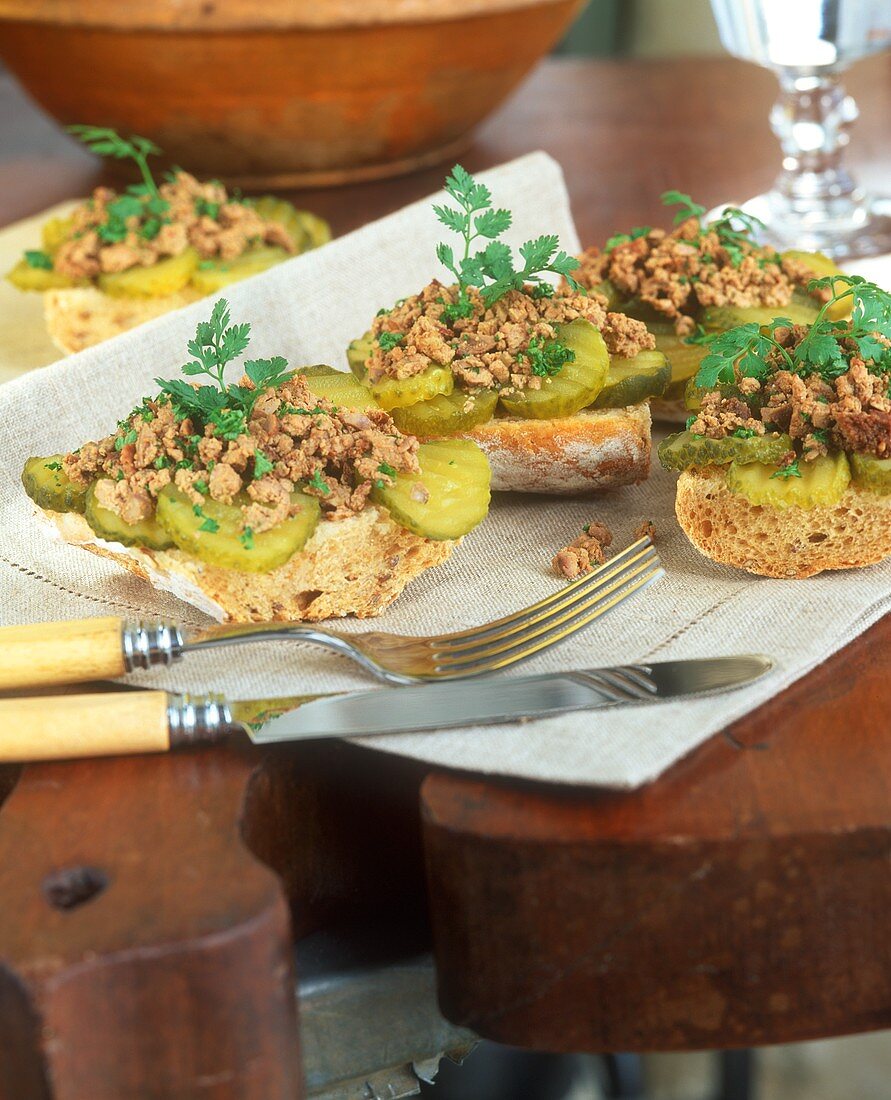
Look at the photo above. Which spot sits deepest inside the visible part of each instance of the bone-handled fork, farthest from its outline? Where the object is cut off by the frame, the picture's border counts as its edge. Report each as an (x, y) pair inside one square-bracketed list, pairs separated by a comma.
[(73, 652)]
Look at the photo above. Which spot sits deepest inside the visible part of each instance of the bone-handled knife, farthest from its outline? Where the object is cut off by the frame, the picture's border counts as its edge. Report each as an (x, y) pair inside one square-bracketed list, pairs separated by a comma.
[(113, 723)]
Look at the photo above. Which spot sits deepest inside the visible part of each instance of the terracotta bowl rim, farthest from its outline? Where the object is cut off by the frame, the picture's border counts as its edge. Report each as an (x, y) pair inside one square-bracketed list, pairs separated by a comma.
[(222, 15)]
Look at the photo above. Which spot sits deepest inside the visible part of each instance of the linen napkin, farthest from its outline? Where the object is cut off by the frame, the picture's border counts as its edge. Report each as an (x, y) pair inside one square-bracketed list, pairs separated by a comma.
[(308, 309)]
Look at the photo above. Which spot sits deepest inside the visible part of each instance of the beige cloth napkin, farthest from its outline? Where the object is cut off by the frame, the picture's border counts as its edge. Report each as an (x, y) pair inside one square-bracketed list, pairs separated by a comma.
[(308, 309)]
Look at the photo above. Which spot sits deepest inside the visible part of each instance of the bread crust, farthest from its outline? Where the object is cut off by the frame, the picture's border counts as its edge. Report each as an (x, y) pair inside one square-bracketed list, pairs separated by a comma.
[(792, 543), (355, 566), (79, 317), (593, 450)]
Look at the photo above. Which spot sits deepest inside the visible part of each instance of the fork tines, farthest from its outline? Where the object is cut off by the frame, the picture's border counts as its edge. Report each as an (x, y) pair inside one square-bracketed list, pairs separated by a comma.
[(554, 619)]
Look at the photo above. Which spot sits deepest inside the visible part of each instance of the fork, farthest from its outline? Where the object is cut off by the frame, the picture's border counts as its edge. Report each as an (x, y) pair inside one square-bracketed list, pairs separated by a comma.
[(89, 649)]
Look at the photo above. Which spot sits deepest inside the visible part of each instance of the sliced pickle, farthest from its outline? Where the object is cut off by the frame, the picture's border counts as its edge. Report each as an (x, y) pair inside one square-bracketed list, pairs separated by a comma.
[(272, 209), (337, 386), (721, 318), (358, 353), (822, 265), (822, 483), (576, 385), (55, 232), (212, 275), (684, 359), (316, 229), (871, 473), (455, 479), (47, 484), (656, 322), (227, 545), (684, 449), (395, 393), (614, 299), (307, 230), (447, 414), (108, 525), (693, 394), (631, 381), (157, 281), (25, 277)]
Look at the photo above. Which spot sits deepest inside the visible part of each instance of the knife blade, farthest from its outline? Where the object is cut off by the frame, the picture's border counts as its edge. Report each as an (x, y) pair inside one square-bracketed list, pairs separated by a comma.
[(491, 700)]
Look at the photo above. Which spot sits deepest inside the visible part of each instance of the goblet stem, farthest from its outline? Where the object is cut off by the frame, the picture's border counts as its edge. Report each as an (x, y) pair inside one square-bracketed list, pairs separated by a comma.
[(812, 119)]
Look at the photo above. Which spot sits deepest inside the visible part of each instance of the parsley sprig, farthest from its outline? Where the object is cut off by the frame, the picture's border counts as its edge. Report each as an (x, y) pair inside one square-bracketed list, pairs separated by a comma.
[(735, 229), (826, 347), (491, 270), (108, 143), (141, 200), (228, 407)]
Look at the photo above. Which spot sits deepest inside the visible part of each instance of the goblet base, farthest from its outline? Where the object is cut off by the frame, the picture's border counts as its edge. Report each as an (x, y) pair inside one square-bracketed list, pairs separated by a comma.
[(850, 231)]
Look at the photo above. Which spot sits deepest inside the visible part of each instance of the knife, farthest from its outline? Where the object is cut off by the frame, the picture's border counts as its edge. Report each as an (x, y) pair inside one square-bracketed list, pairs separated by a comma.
[(113, 723)]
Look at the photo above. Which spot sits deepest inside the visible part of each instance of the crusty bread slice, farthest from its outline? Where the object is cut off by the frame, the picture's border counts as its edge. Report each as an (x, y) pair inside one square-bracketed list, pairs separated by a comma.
[(79, 317), (354, 566), (794, 542), (592, 450)]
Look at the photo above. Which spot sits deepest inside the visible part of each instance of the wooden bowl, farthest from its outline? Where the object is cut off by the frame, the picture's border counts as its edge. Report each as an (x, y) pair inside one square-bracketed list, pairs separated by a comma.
[(283, 92)]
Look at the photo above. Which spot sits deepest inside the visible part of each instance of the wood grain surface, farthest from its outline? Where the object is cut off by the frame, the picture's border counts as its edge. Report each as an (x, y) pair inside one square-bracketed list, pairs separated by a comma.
[(742, 898)]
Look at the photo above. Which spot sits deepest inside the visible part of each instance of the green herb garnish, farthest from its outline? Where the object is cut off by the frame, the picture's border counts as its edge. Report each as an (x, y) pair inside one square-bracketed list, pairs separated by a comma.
[(108, 143), (262, 465), (491, 271), (791, 470), (548, 358), (215, 346), (319, 483), (822, 351), (34, 257), (389, 340)]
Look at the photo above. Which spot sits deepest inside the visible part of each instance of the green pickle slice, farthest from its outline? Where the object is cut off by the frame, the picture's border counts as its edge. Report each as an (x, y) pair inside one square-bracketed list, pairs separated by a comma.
[(821, 265), (395, 393), (684, 449), (337, 386), (693, 394), (456, 477), (576, 385), (357, 353), (47, 484), (446, 414), (684, 359), (869, 472), (721, 318), (222, 541), (631, 381), (157, 281), (25, 277), (822, 483), (212, 275), (108, 525)]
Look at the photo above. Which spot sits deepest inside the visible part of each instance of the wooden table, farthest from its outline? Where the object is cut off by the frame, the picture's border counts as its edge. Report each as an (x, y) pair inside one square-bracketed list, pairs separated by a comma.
[(149, 905)]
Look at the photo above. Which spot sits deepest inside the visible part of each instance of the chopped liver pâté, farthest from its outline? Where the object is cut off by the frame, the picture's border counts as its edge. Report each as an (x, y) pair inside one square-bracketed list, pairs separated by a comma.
[(198, 215), (583, 553), (336, 454), (489, 348), (679, 272)]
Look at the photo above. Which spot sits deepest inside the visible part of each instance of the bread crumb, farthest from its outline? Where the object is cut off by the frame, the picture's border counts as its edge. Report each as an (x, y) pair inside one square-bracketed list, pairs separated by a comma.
[(584, 552), (645, 530)]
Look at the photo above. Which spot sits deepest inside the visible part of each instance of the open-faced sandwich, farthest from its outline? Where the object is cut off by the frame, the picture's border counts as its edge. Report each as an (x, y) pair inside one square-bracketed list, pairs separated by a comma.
[(550, 382), (120, 259), (699, 278), (281, 497), (786, 464)]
